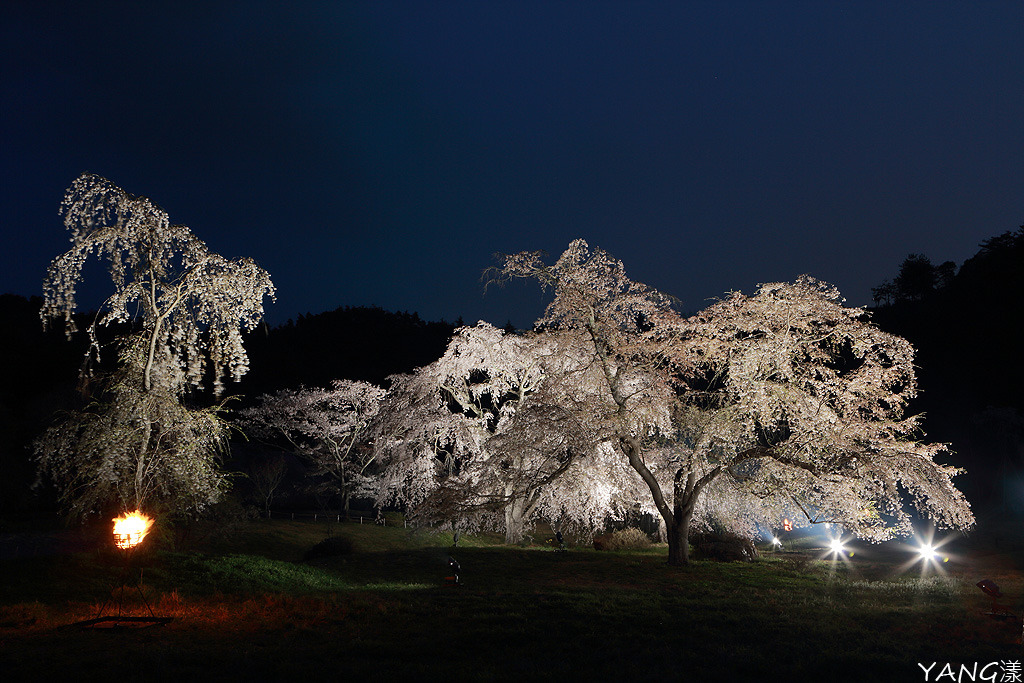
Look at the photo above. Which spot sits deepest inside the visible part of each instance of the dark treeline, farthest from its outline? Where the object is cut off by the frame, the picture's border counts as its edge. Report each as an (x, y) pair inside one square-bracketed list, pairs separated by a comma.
[(965, 324), (356, 343), (40, 377)]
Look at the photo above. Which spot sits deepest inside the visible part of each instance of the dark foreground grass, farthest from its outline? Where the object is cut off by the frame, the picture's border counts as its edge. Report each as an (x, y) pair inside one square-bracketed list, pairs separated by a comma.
[(383, 612)]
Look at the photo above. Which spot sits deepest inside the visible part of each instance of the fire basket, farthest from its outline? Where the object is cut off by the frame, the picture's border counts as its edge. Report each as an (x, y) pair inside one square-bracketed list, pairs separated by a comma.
[(129, 531)]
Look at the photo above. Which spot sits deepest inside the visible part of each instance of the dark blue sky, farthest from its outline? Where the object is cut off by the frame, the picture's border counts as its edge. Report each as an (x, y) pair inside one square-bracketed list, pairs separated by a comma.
[(378, 153)]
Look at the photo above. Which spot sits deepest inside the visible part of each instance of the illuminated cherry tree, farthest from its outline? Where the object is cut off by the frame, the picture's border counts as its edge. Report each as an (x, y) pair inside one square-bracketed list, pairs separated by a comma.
[(328, 427), (135, 449), (187, 309), (802, 403), (189, 305), (781, 401), (479, 438)]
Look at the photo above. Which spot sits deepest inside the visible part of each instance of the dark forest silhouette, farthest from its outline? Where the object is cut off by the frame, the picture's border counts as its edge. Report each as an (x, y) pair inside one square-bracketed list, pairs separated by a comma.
[(358, 343), (965, 325)]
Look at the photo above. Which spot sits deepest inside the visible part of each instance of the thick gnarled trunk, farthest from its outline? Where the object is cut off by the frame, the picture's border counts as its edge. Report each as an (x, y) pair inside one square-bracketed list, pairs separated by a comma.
[(515, 520), (679, 513), (678, 532), (678, 546)]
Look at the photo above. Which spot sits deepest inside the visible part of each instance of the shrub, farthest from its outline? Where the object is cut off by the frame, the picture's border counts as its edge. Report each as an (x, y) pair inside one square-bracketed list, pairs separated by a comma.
[(723, 546), (796, 563), (626, 539)]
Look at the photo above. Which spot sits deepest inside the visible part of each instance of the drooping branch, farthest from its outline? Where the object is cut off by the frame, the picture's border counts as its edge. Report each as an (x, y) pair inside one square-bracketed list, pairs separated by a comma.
[(186, 301)]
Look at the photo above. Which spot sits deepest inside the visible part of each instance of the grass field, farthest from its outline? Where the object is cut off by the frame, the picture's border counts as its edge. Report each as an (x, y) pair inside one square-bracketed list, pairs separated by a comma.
[(246, 607)]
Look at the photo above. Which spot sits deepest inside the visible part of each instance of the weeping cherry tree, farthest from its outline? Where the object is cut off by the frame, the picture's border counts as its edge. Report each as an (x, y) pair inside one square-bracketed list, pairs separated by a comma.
[(483, 437), (797, 405), (784, 400), (187, 309)]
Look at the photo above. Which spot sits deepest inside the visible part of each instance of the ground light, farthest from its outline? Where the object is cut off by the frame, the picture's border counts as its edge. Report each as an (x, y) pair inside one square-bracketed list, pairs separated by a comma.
[(837, 550), (928, 552)]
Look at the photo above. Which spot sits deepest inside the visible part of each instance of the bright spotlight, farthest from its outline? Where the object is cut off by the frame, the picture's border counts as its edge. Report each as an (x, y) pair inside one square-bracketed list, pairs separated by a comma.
[(928, 552), (837, 546), (776, 541)]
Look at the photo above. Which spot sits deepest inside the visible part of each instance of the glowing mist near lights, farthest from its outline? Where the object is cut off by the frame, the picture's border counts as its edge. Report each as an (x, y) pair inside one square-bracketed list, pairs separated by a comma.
[(130, 529)]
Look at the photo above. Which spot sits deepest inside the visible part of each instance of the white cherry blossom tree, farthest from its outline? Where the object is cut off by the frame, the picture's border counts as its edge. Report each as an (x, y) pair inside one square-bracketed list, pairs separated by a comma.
[(328, 427), (135, 449), (803, 404), (781, 401), (187, 309), (478, 438)]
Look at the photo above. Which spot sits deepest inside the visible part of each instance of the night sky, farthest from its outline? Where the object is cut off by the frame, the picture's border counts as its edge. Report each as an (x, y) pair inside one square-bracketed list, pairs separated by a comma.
[(379, 153)]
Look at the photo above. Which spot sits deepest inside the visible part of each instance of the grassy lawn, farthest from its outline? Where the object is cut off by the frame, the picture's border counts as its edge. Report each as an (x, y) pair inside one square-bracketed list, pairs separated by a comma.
[(247, 607)]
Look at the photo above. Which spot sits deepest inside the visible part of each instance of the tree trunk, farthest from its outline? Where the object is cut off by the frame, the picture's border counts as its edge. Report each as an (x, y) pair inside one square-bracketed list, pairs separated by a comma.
[(676, 517), (515, 521), (140, 462), (678, 531)]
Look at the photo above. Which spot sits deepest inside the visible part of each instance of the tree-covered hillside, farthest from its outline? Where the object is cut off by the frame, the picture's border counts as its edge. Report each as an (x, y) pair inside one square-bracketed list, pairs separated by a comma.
[(965, 325)]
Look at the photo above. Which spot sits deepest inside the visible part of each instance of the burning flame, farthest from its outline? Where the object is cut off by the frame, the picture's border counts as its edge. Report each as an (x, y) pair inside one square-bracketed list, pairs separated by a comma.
[(130, 529)]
